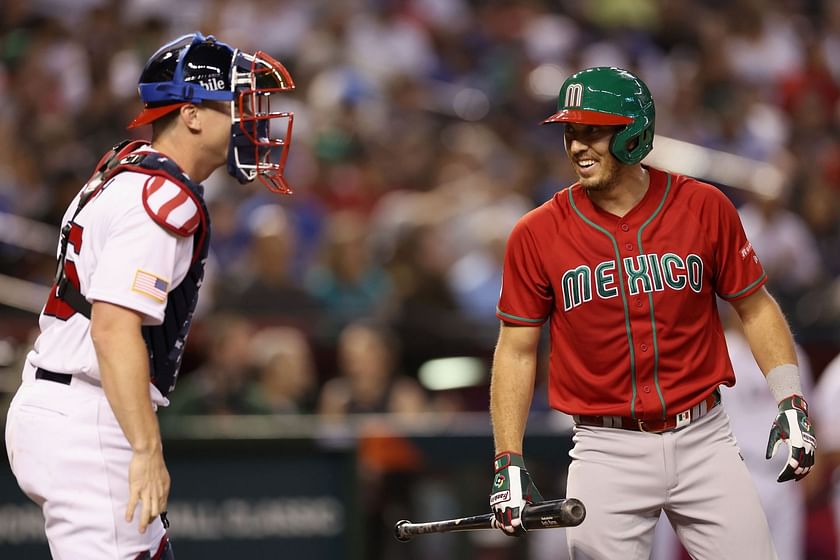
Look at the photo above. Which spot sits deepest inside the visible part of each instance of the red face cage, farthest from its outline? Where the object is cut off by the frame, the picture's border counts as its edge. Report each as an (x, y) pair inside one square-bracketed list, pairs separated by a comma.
[(254, 152)]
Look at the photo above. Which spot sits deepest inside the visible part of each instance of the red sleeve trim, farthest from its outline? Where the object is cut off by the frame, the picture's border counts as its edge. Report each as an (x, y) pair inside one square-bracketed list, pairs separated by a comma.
[(748, 290), (518, 320)]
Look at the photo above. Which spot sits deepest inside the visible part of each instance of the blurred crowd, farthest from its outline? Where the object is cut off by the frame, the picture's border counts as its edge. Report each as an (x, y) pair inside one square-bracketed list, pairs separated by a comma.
[(416, 147)]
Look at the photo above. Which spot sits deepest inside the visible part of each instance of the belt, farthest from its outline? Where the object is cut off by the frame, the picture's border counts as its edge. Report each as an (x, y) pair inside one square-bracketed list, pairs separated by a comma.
[(47, 375), (675, 422)]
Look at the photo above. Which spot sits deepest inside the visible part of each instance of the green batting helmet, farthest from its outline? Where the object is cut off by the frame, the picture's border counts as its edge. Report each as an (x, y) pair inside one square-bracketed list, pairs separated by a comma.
[(610, 96)]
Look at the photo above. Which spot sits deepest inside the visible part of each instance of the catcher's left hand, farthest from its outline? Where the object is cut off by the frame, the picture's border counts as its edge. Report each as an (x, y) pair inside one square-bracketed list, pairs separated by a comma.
[(793, 426)]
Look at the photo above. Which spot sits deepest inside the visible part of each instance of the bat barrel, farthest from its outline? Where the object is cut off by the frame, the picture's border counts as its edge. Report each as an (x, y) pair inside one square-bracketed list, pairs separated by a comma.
[(569, 512)]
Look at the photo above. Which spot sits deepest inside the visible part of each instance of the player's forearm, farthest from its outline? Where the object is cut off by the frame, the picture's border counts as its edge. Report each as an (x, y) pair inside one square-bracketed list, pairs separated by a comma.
[(124, 369), (767, 332), (510, 401), (512, 388)]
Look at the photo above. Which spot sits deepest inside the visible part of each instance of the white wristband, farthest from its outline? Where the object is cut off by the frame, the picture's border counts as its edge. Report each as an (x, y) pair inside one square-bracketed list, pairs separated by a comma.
[(784, 381)]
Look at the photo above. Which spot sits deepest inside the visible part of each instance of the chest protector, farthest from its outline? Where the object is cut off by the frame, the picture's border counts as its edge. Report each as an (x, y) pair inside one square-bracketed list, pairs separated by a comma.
[(165, 342)]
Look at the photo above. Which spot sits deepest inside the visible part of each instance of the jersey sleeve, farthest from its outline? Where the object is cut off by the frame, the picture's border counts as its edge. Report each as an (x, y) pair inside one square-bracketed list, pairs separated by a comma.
[(738, 271), (526, 297), (139, 264)]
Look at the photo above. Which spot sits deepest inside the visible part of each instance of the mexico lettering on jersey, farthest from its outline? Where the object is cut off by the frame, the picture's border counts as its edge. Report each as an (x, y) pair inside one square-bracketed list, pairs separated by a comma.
[(632, 300)]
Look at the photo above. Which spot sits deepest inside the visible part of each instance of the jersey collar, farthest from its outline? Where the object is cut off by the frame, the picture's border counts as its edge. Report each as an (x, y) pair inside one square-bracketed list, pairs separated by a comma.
[(637, 215)]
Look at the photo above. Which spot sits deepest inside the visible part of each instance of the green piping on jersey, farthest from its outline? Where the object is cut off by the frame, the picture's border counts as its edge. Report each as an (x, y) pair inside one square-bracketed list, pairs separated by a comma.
[(650, 302), (745, 290), (619, 269), (515, 318)]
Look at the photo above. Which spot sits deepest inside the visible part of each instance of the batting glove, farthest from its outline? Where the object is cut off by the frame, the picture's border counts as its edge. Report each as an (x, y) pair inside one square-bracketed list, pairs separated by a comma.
[(512, 490), (793, 426)]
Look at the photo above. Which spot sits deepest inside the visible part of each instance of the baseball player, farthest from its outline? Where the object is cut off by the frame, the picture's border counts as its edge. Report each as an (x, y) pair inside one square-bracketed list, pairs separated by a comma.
[(625, 265), (82, 435), (827, 416)]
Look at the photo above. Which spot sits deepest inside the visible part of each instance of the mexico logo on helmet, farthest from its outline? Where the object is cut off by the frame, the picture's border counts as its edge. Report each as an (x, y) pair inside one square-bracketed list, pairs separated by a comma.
[(607, 95), (194, 69)]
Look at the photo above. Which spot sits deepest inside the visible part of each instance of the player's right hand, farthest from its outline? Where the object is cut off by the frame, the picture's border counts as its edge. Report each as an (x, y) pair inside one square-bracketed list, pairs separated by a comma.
[(148, 486), (512, 490)]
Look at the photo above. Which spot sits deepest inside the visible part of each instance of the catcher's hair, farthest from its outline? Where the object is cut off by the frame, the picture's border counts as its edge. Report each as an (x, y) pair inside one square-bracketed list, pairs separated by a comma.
[(164, 123)]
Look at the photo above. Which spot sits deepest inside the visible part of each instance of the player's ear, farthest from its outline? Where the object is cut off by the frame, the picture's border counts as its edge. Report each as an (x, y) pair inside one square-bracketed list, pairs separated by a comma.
[(191, 117)]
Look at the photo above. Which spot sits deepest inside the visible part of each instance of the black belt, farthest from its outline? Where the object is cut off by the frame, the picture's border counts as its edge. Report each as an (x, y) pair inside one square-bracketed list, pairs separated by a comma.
[(63, 378)]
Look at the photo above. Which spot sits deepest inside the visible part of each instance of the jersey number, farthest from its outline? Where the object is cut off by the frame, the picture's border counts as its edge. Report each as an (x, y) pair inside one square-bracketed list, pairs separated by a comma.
[(57, 307)]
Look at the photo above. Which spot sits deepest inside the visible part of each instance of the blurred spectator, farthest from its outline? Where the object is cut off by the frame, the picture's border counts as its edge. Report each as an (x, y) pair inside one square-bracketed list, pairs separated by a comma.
[(476, 278), (762, 44), (369, 380), (821, 212), (785, 245), (265, 288), (348, 282), (425, 315), (286, 381)]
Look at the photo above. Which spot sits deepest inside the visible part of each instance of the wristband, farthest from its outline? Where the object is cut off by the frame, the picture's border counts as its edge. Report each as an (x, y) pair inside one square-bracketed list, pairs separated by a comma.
[(784, 381)]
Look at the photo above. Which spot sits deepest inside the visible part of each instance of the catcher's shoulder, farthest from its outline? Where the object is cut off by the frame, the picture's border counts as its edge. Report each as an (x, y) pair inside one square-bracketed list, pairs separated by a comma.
[(171, 205)]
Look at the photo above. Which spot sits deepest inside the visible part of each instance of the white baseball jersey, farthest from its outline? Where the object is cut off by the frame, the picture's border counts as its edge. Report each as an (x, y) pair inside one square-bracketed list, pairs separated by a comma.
[(120, 255), (64, 443), (827, 417)]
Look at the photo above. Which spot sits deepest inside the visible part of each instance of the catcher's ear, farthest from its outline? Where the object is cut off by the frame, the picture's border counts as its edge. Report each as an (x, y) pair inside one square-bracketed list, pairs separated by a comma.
[(191, 117)]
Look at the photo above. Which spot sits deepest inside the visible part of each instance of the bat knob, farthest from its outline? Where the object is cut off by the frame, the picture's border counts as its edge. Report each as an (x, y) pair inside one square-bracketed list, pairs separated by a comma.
[(399, 531)]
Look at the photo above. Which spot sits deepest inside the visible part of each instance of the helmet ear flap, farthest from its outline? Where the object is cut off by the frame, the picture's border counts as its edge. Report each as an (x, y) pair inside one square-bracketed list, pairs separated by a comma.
[(631, 145)]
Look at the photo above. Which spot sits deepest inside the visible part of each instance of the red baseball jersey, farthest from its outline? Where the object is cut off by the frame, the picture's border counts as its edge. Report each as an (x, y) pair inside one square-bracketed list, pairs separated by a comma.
[(631, 301)]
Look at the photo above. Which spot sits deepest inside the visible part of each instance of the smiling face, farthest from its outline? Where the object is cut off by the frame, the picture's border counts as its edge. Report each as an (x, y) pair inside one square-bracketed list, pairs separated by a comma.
[(588, 147)]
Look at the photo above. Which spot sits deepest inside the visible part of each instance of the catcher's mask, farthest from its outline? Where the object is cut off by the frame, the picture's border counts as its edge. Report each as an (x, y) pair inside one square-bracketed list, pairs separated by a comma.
[(606, 95), (194, 69)]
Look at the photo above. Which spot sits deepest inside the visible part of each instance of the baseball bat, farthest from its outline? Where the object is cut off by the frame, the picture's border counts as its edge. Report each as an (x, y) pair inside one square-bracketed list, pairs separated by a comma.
[(566, 512)]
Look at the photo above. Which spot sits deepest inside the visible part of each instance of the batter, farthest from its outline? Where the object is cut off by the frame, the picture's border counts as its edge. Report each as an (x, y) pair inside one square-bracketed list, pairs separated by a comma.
[(626, 265)]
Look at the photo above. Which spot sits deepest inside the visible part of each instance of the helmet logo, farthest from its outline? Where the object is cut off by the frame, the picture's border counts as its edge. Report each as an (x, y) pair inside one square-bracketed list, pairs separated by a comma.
[(574, 95), (213, 84)]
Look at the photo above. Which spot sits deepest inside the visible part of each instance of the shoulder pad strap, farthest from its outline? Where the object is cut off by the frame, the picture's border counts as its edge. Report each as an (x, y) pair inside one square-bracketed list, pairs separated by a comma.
[(170, 204), (112, 157)]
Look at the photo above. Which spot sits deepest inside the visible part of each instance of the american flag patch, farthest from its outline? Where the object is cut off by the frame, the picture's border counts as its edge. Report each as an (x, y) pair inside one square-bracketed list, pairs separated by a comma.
[(150, 285)]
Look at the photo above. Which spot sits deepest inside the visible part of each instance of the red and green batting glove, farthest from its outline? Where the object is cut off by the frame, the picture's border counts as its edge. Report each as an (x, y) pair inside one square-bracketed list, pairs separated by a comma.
[(512, 489), (793, 426)]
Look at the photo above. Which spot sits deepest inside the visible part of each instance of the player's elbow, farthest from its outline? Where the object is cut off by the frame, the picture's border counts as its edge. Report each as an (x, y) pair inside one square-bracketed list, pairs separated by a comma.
[(109, 323)]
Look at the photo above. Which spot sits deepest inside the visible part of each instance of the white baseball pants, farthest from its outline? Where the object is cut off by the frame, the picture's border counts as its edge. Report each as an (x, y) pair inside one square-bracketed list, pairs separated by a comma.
[(695, 475), (70, 457)]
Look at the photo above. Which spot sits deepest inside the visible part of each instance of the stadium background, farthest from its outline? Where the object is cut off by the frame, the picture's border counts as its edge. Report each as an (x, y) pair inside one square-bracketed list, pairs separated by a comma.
[(416, 147)]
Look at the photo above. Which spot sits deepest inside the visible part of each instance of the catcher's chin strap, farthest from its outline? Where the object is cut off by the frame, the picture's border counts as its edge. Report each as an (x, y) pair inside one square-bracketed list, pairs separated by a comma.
[(65, 289)]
